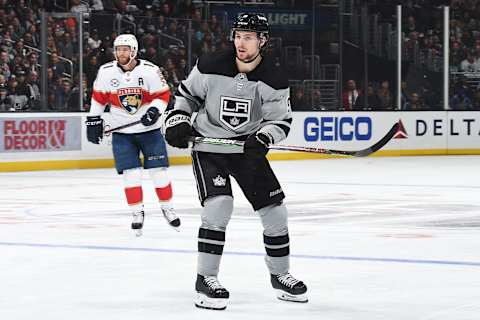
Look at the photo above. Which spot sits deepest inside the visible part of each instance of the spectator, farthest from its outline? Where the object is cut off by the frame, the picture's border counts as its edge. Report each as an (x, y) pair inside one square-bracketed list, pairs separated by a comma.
[(33, 91), (18, 101), (19, 50), (151, 55), (87, 95), (317, 100), (28, 40), (172, 72), (51, 46), (32, 58), (350, 95), (91, 69), (186, 9), (175, 32), (67, 97), (307, 69), (476, 100), (431, 100), (207, 44), (5, 101), (66, 46), (200, 34), (461, 98), (373, 101), (32, 37), (93, 40), (470, 64), (414, 103), (79, 6), (385, 96), (299, 102), (122, 7), (148, 21), (5, 64), (411, 25), (165, 10), (17, 28), (96, 5), (182, 70), (58, 66), (51, 78), (161, 25), (21, 88), (196, 19)]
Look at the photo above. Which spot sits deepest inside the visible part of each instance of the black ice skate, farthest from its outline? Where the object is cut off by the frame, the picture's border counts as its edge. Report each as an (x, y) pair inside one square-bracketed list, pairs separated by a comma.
[(210, 293), (288, 288), (137, 223), (171, 217)]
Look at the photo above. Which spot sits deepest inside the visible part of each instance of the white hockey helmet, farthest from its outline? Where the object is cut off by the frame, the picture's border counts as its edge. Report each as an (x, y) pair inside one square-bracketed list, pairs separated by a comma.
[(126, 40)]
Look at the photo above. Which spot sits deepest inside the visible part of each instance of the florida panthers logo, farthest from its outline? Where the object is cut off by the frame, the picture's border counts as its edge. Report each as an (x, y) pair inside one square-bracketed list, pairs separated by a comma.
[(130, 99), (235, 112)]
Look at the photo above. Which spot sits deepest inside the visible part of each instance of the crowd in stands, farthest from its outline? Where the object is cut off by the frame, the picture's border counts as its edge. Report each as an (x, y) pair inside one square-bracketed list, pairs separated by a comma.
[(161, 26), (422, 27)]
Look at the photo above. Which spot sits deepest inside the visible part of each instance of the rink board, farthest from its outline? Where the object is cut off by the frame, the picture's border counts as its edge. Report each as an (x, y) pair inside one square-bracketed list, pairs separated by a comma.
[(43, 141)]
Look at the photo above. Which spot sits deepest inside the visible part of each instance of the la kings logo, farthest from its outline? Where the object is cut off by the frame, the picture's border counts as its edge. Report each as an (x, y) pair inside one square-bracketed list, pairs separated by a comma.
[(219, 181), (235, 112)]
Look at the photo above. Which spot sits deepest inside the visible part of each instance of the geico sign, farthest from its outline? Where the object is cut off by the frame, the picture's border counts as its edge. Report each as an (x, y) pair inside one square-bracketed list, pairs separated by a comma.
[(337, 128), (454, 127)]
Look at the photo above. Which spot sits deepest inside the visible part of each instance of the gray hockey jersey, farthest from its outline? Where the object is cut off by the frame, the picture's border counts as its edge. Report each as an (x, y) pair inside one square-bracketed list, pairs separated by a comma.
[(233, 105)]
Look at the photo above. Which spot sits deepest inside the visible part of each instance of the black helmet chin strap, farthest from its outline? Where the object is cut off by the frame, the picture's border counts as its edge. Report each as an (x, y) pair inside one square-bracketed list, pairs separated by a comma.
[(251, 60)]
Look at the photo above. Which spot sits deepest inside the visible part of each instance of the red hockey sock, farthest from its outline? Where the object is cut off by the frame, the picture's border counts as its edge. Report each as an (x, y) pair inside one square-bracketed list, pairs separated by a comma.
[(164, 193), (134, 195)]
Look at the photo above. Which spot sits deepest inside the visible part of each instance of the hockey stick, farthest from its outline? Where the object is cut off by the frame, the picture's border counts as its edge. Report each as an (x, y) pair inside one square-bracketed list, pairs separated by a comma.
[(107, 130), (128, 125), (359, 153)]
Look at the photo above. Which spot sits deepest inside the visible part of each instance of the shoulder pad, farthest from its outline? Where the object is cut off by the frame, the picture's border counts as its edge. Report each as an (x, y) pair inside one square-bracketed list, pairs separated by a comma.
[(148, 63), (107, 65), (221, 63), (270, 74)]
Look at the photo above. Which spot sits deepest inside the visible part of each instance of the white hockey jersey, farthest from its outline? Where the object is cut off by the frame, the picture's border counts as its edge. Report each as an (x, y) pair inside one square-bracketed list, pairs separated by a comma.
[(129, 93)]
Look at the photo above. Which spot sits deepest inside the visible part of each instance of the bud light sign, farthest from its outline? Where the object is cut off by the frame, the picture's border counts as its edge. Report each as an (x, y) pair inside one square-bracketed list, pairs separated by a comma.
[(337, 128)]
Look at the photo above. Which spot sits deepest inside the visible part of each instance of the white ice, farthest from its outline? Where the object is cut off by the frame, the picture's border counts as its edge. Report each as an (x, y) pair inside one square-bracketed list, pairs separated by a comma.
[(373, 238)]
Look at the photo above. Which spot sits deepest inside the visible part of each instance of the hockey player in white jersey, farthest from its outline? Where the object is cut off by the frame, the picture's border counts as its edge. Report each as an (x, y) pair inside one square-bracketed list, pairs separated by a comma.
[(238, 94), (136, 90)]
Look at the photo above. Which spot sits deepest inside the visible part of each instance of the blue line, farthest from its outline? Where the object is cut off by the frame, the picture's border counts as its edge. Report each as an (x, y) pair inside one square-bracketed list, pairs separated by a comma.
[(235, 253)]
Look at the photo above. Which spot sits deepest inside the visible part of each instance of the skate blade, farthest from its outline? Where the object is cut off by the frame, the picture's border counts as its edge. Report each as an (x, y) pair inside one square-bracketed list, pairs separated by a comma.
[(285, 296), (137, 229), (205, 302), (175, 224)]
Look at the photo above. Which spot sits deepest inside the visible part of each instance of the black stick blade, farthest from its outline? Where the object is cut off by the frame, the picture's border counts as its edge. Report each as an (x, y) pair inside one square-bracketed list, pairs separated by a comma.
[(380, 144)]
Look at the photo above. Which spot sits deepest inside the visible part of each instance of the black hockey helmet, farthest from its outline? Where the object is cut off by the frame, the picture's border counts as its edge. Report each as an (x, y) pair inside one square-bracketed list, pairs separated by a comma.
[(255, 22)]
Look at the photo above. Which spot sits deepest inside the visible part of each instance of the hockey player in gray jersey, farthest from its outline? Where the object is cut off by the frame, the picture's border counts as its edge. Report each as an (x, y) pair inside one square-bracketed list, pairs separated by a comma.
[(238, 94)]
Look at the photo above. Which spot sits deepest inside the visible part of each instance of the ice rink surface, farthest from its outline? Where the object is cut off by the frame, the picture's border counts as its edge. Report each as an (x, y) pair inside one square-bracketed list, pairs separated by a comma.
[(373, 238)]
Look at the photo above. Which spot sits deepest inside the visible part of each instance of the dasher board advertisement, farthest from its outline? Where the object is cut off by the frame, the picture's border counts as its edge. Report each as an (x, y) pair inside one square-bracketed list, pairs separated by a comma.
[(40, 134)]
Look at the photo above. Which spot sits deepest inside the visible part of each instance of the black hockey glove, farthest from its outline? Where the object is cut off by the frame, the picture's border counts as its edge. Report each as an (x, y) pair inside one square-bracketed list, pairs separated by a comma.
[(178, 129), (150, 117), (94, 129), (256, 145)]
